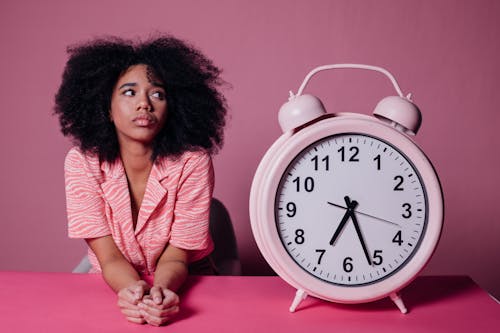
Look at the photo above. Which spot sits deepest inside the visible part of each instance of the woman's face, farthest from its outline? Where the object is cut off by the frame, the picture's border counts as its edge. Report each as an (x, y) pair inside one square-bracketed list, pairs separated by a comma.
[(138, 106)]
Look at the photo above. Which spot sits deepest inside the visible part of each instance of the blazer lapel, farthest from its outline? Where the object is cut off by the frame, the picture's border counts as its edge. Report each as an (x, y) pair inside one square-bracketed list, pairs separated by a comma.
[(154, 195), (117, 195)]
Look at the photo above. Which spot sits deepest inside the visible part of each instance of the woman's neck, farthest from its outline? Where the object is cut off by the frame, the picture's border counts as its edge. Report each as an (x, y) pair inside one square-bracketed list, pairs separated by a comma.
[(136, 159), (137, 163)]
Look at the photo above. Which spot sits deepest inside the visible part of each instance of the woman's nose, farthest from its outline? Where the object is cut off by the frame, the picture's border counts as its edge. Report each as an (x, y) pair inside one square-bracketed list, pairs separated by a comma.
[(144, 103)]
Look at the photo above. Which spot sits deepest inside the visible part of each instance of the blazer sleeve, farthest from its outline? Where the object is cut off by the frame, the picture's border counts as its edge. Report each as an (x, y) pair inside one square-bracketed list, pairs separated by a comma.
[(190, 228), (84, 200)]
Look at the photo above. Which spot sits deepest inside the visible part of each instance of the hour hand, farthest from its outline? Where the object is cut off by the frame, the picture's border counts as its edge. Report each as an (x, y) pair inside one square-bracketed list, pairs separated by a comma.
[(350, 207), (340, 227)]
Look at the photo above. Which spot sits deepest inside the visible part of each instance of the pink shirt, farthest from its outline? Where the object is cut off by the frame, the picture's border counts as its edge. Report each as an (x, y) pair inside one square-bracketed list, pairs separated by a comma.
[(175, 208)]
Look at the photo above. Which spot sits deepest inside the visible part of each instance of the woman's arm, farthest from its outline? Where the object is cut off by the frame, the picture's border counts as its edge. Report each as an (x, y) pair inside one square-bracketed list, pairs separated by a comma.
[(116, 270), (120, 276), (171, 271)]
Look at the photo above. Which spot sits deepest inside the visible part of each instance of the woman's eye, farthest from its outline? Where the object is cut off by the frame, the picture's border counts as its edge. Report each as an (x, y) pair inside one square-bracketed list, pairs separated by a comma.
[(158, 94), (129, 92)]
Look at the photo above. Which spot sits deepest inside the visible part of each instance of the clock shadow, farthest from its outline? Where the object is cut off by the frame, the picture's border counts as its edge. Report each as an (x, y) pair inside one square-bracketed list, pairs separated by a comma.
[(423, 291), (427, 290), (384, 304)]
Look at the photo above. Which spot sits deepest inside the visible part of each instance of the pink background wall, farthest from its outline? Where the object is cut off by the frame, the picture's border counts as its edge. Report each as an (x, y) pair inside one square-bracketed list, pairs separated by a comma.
[(445, 52)]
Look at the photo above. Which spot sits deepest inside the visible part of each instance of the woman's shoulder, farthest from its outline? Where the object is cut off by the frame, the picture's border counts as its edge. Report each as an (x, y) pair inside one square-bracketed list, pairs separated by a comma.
[(76, 155), (195, 157), (77, 161), (187, 158), (186, 162)]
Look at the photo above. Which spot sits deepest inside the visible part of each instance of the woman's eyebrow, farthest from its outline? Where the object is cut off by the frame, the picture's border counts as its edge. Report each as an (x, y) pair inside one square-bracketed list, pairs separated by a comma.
[(133, 84), (130, 84)]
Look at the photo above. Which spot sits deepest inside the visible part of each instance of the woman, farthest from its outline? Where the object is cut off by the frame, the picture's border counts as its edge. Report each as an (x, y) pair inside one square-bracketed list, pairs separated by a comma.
[(144, 118)]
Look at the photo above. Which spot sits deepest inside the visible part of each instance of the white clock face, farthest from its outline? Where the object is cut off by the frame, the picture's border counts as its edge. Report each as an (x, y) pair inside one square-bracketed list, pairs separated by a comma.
[(351, 209)]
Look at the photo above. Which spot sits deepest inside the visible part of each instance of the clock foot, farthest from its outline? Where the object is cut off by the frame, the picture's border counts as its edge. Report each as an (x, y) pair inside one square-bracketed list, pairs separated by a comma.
[(300, 295), (396, 298)]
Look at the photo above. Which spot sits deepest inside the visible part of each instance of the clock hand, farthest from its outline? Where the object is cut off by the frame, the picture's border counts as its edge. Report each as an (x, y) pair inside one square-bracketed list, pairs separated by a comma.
[(351, 206), (378, 218), (334, 204), (340, 227), (360, 236), (365, 214)]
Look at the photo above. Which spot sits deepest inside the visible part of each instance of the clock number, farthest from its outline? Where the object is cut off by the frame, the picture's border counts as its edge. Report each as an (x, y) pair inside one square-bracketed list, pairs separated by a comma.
[(297, 182), (325, 160), (299, 236), (291, 208), (348, 267), (321, 253), (377, 258), (407, 213), (353, 158), (377, 159), (308, 184), (399, 180), (397, 238)]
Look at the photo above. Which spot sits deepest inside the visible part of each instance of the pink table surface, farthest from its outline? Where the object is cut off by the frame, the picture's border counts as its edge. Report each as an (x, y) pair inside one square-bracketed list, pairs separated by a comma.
[(65, 302)]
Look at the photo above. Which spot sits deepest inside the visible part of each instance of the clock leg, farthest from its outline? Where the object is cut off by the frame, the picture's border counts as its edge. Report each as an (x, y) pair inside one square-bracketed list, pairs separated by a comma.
[(396, 298), (300, 295)]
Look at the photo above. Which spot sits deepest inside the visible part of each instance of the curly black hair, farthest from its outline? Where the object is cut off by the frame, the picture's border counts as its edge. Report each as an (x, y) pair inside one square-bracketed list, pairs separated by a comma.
[(196, 108)]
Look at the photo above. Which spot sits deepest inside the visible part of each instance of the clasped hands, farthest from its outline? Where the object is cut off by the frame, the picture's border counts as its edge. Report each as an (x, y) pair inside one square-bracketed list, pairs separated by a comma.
[(141, 303)]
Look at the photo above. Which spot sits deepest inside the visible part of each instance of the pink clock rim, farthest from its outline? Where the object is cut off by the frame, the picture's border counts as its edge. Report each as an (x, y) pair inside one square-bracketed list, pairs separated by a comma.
[(262, 208)]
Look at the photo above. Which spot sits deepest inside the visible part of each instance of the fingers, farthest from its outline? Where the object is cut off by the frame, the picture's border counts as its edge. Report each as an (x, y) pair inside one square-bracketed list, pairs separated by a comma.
[(131, 312), (139, 289), (155, 308), (156, 294), (160, 306), (129, 297), (123, 304), (136, 320), (157, 317), (134, 316), (134, 293), (169, 298), (163, 297)]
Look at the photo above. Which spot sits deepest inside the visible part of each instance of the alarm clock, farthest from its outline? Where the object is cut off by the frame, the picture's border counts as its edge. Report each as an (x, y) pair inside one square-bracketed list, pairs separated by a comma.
[(346, 207)]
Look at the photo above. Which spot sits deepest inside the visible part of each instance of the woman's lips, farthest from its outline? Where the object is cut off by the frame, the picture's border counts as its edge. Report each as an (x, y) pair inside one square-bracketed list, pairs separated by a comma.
[(144, 120)]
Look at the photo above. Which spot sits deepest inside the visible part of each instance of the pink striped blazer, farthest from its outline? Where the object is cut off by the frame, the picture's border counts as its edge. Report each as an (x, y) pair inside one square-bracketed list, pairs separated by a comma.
[(175, 207)]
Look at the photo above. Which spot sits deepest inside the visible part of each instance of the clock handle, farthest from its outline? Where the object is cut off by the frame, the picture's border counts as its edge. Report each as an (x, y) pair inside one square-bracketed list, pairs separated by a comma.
[(398, 111), (300, 295), (353, 66)]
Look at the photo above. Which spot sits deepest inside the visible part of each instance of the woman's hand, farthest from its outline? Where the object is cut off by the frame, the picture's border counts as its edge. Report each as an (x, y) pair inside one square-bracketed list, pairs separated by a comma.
[(129, 298), (159, 306)]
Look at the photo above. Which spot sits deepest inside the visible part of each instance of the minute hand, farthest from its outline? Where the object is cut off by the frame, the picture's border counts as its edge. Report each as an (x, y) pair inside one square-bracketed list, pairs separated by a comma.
[(360, 236)]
